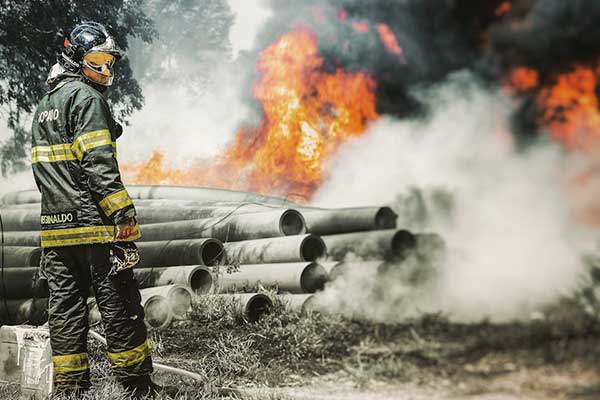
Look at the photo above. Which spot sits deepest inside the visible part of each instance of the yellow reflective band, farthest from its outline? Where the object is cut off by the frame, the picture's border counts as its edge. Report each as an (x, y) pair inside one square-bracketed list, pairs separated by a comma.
[(130, 357), (115, 202), (84, 235), (73, 236), (54, 153), (70, 363), (90, 140)]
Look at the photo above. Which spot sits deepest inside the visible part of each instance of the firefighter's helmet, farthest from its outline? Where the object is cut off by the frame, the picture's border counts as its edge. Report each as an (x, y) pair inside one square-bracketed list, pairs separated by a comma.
[(90, 50)]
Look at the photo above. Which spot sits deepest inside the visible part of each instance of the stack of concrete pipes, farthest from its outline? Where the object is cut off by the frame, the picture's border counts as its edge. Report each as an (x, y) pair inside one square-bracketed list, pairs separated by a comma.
[(199, 242)]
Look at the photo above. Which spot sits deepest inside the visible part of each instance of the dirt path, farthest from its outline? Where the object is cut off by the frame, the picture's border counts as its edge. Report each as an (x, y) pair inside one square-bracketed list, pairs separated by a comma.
[(564, 381)]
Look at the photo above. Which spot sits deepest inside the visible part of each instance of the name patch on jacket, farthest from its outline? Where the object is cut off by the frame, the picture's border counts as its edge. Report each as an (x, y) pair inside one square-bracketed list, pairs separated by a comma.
[(58, 218)]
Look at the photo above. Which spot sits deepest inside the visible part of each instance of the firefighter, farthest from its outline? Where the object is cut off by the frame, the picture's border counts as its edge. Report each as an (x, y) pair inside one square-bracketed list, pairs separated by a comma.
[(88, 222)]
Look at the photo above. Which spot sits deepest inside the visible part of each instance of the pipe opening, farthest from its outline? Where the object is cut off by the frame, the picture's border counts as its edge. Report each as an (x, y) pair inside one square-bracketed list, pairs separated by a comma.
[(180, 301), (310, 305), (385, 218), (157, 312), (201, 281), (258, 306), (312, 248), (292, 223), (313, 278), (212, 253), (403, 242)]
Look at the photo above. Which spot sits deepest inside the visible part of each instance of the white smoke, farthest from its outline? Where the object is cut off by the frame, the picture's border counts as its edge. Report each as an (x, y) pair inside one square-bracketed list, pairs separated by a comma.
[(186, 125), (20, 181), (512, 242), (183, 125), (13, 182), (250, 15)]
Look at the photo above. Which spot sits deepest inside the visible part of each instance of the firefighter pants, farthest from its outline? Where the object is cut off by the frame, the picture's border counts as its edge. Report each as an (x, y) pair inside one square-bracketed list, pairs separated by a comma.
[(70, 272)]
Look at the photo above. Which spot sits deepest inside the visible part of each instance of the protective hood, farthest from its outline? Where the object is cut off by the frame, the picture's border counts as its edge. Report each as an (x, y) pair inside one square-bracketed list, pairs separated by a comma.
[(57, 74)]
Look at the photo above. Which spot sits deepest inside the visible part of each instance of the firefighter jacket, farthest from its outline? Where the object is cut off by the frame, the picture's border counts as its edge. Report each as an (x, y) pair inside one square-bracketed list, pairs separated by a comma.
[(75, 167)]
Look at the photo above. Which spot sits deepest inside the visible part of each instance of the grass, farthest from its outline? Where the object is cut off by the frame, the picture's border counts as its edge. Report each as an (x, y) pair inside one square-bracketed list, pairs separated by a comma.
[(286, 348)]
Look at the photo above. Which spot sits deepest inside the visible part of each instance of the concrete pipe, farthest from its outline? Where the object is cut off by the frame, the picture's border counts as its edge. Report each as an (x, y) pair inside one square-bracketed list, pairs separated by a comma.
[(276, 250), (21, 219), (181, 252), (23, 311), (157, 311), (251, 305), (288, 277), (179, 297), (345, 220), (198, 278), (341, 269), (230, 229), (21, 197), (201, 194), (15, 256), (295, 302), (317, 304), (24, 239), (388, 244), (148, 192), (280, 222), (26, 218), (20, 283), (248, 206), (158, 212)]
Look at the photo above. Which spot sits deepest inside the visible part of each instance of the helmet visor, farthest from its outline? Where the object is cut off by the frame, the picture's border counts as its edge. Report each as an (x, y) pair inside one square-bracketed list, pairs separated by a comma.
[(97, 67), (97, 59)]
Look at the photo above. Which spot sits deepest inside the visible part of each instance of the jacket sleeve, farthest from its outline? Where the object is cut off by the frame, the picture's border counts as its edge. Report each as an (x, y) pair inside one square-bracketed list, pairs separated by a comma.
[(96, 151)]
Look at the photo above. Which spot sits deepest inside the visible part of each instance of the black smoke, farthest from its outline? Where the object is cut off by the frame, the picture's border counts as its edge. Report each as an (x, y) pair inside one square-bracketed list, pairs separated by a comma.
[(439, 37)]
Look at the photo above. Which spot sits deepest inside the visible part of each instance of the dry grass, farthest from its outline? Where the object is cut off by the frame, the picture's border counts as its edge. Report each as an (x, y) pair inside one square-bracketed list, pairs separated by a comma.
[(286, 348)]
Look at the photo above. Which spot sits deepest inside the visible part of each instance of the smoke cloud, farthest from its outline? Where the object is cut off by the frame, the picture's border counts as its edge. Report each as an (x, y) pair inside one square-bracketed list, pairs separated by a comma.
[(512, 243), (444, 154)]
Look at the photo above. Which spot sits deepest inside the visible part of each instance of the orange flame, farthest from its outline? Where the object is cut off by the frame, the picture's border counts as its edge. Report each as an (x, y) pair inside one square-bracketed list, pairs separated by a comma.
[(308, 114), (389, 40), (523, 78), (570, 109), (503, 8), (361, 26)]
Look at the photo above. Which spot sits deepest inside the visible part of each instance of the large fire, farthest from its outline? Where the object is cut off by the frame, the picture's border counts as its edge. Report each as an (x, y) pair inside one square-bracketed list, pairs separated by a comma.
[(568, 104), (308, 114), (570, 109)]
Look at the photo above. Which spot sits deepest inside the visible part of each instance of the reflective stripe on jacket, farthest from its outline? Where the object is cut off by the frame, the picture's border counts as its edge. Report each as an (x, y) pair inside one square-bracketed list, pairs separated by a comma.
[(75, 167)]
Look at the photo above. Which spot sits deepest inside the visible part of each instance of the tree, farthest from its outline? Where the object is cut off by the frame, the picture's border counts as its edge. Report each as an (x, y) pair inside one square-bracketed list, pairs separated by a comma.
[(194, 41), (31, 36)]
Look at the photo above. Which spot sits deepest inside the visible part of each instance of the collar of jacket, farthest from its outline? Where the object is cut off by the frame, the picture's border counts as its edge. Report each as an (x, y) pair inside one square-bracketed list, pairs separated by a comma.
[(59, 82)]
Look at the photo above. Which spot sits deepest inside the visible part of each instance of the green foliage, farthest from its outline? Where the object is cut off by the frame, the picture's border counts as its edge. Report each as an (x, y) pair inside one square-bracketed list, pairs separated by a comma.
[(31, 37)]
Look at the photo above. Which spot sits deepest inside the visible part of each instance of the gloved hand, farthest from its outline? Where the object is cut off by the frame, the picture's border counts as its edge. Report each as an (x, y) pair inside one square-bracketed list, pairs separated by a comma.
[(123, 255), (125, 229)]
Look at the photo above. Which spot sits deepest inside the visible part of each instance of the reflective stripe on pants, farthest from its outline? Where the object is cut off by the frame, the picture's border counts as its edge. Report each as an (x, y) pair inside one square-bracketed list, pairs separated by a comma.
[(70, 272)]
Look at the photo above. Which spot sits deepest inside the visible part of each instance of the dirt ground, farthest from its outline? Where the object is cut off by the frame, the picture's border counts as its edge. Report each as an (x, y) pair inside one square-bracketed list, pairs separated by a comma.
[(494, 377)]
